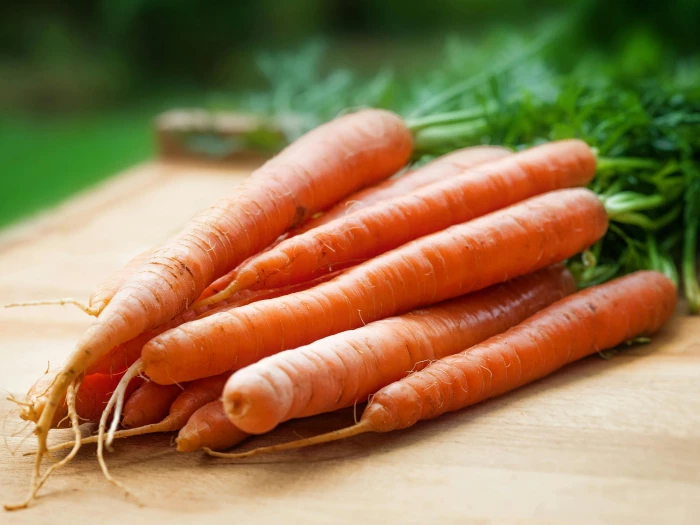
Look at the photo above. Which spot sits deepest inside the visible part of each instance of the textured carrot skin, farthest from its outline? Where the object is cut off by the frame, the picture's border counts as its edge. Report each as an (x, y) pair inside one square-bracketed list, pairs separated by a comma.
[(575, 327), (464, 258), (104, 291), (437, 170), (328, 163), (209, 427), (148, 404), (389, 224), (36, 396), (123, 356), (346, 368)]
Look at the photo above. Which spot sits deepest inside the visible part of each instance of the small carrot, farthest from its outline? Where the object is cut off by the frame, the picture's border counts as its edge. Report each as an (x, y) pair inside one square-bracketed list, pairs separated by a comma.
[(123, 356), (577, 326), (149, 403), (194, 396), (209, 427), (389, 224), (461, 259), (437, 170), (346, 368)]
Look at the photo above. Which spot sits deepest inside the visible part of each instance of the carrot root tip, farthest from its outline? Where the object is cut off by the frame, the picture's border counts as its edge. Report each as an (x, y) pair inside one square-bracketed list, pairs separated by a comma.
[(343, 433), (90, 310)]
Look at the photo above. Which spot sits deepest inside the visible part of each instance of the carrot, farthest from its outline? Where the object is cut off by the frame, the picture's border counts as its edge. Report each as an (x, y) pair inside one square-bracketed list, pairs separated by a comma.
[(462, 259), (346, 368), (572, 328), (389, 224), (102, 293), (437, 170), (194, 396), (95, 391), (209, 427), (149, 404), (328, 163), (123, 356), (90, 398)]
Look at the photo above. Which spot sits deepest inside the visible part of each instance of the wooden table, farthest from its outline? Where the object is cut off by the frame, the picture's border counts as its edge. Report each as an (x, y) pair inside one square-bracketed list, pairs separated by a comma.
[(601, 442)]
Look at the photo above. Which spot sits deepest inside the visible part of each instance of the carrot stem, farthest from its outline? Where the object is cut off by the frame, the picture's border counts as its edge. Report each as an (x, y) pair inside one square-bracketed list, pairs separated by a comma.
[(626, 163), (449, 133), (450, 117)]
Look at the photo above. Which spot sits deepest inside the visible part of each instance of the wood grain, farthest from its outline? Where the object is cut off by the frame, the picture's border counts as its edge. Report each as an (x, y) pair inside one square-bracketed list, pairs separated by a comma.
[(600, 442)]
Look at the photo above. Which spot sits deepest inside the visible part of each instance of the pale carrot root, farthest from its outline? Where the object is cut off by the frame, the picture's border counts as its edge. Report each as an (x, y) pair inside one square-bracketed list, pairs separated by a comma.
[(90, 310), (119, 395), (162, 426), (38, 482), (359, 428), (115, 402)]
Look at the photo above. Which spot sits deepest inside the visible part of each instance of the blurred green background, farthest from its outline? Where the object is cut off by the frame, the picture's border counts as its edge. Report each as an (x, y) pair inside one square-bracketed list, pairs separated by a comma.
[(82, 80)]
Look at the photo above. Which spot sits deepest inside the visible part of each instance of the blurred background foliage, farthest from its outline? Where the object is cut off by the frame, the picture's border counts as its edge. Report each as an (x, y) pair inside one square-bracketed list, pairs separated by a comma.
[(81, 80)]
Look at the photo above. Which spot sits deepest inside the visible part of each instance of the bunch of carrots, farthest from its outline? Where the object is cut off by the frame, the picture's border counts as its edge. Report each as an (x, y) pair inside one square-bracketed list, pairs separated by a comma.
[(334, 276)]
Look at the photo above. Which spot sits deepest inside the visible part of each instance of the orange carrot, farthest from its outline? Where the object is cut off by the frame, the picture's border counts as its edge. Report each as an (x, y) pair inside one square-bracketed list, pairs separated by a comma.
[(328, 163), (389, 224), (95, 391), (462, 259), (346, 368), (149, 404), (209, 427), (123, 356), (437, 170), (572, 328)]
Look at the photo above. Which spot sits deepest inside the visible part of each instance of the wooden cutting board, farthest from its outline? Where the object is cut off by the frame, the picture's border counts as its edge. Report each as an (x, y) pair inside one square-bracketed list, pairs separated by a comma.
[(600, 442)]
